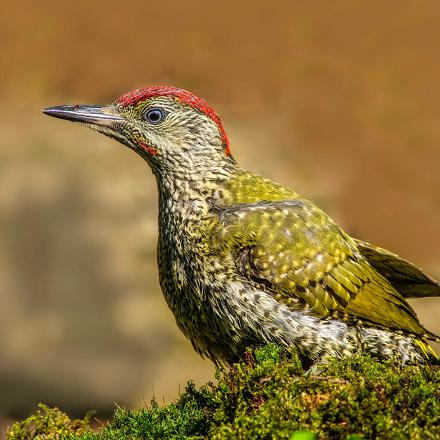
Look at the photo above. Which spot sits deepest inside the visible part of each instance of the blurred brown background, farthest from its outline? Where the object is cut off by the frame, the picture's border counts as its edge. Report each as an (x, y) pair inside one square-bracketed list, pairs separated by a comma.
[(339, 100)]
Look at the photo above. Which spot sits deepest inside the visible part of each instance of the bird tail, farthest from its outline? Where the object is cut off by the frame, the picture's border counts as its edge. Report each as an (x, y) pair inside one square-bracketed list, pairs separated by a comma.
[(406, 278), (431, 336), (427, 350)]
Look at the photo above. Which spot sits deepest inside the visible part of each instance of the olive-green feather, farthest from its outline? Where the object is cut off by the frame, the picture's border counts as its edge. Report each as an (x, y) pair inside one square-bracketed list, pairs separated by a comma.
[(407, 279), (304, 259)]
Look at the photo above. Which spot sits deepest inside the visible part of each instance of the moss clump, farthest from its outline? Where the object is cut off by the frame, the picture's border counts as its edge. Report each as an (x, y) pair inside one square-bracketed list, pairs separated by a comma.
[(268, 395), (354, 396), (49, 424)]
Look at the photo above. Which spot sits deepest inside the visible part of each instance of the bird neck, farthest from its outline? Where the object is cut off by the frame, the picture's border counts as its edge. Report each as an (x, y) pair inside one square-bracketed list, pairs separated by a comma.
[(185, 194), (188, 188)]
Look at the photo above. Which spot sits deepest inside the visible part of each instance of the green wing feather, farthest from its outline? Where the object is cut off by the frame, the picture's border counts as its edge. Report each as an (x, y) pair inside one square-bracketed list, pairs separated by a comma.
[(407, 279), (300, 255)]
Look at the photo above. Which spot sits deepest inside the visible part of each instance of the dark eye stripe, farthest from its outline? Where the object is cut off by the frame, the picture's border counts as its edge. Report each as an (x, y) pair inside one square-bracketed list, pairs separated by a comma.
[(154, 115)]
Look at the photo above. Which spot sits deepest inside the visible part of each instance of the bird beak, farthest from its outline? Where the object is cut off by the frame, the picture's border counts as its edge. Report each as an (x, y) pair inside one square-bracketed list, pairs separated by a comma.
[(95, 115)]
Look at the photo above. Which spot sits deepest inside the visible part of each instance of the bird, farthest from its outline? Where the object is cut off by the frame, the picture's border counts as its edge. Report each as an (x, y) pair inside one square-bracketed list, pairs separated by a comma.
[(244, 261)]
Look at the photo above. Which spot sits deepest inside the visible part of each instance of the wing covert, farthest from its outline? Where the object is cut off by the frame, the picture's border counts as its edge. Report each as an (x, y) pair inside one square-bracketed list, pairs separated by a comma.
[(295, 251)]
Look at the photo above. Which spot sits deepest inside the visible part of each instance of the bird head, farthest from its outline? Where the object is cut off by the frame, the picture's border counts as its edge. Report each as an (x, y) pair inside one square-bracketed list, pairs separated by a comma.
[(169, 127)]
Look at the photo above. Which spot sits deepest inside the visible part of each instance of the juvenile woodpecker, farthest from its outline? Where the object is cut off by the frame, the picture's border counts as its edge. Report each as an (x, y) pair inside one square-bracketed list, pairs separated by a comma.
[(245, 261)]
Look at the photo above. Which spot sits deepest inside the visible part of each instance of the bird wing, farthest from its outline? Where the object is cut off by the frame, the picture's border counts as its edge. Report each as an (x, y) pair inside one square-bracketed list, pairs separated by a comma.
[(407, 279), (304, 259)]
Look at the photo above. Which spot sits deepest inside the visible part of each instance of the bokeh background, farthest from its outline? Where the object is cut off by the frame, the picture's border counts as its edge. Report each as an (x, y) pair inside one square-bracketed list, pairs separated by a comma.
[(339, 100)]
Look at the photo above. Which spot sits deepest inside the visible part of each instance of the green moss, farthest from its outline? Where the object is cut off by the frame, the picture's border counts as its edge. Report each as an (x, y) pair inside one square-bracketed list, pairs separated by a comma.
[(269, 394), (48, 424)]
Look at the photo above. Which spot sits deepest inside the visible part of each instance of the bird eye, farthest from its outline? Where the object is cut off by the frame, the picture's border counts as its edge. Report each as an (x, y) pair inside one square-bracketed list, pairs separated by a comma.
[(154, 116)]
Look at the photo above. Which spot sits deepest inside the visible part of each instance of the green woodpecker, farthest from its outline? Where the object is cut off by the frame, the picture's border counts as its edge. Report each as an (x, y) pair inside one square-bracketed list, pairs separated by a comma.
[(245, 261)]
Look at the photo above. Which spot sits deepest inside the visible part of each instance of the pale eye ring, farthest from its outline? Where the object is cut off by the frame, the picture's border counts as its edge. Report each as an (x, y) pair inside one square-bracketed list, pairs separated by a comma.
[(155, 116)]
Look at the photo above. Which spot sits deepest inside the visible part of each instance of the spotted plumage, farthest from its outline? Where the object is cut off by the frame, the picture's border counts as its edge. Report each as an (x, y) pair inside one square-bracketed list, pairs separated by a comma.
[(243, 260)]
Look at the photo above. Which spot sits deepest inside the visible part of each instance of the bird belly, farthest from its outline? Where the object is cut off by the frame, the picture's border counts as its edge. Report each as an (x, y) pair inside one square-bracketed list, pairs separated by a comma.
[(221, 319)]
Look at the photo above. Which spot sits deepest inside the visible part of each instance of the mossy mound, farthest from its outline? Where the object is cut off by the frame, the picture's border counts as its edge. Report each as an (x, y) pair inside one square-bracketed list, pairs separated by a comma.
[(268, 395)]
